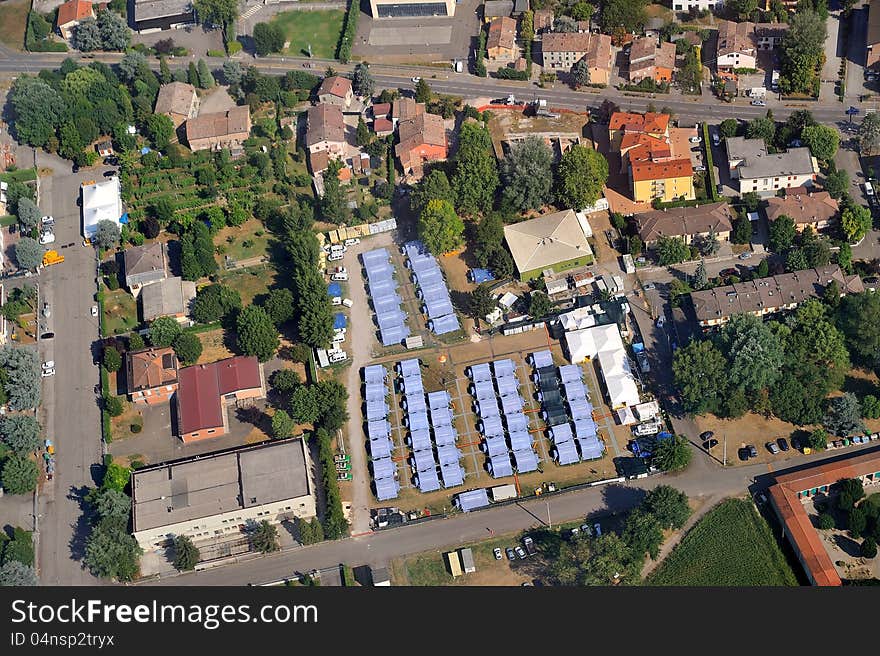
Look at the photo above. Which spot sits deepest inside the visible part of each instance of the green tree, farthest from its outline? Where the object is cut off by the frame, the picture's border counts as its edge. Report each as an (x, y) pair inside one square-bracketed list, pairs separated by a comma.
[(112, 360), (837, 183), (606, 560), (192, 76), (643, 534), (701, 279), (333, 207), (869, 134), (265, 537), (20, 548), (20, 433), (869, 548), (362, 135), (850, 492), (19, 475), (782, 233), (315, 324), (582, 174), (625, 15), (580, 73), (527, 173), (672, 250), (111, 551), (188, 348), (110, 502), (481, 301), (826, 521), (279, 306), (440, 228), (163, 331), (22, 381), (186, 554), (285, 380), (742, 231), (700, 372), (844, 416), (817, 440), (115, 34), (256, 333), (423, 91), (489, 236), (673, 454), (268, 38), (857, 522), (310, 532), (761, 128), (165, 76), (28, 213), (539, 305), (215, 302), (855, 221), (135, 342), (160, 129), (763, 269), (476, 172), (501, 263), (582, 11), (801, 50), (434, 186), (282, 424), (859, 320), (822, 141), (304, 405), (870, 407), (222, 12), (86, 35), (728, 128), (14, 573), (668, 505), (754, 352), (741, 9), (28, 253)]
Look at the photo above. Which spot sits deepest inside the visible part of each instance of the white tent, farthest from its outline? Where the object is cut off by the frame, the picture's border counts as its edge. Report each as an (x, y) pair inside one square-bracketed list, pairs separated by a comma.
[(100, 201), (578, 318), (604, 343)]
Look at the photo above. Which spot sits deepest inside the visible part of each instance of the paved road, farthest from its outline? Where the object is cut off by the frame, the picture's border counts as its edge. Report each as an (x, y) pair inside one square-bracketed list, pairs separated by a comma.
[(706, 482), (69, 412), (855, 55)]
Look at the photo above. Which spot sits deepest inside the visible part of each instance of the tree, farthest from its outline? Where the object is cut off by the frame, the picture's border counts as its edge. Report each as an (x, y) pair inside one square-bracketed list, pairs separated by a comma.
[(741, 9), (110, 502), (423, 91), (476, 172), (222, 12), (28, 213), (310, 532), (116, 477), (282, 424), (668, 505), (489, 236), (256, 333), (165, 76), (361, 81), (268, 38), (112, 360), (763, 269), (869, 134), (481, 301), (728, 128), (315, 324), (527, 173), (855, 222), (565, 24), (673, 454), (672, 250), (822, 141), (869, 548), (192, 74), (135, 342), (22, 382), (160, 129), (28, 253), (19, 475), (434, 186), (844, 416), (130, 64), (742, 230), (708, 245), (285, 380), (761, 128), (20, 548), (700, 372), (604, 561), (14, 573), (817, 440), (440, 228), (111, 551), (333, 207), (580, 73), (163, 331), (859, 320), (857, 522), (215, 302), (107, 234), (582, 11), (206, 80), (826, 521), (86, 35), (625, 15), (582, 173), (643, 534), (265, 537), (501, 263), (701, 279), (362, 135), (304, 406), (21, 433), (186, 554), (279, 306), (870, 407), (850, 492), (39, 109), (187, 348), (837, 183), (782, 233), (113, 405), (115, 34), (233, 72), (801, 50), (539, 305), (754, 352)]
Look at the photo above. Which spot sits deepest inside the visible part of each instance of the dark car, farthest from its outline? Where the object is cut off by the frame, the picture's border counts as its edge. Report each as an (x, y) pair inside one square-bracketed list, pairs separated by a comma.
[(753, 452), (511, 555), (796, 443), (47, 335), (743, 454), (772, 448), (720, 189), (708, 444), (705, 435), (783, 443), (728, 272), (110, 173)]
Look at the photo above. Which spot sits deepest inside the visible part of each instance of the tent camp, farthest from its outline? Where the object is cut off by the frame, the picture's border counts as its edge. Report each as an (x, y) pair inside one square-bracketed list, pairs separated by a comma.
[(604, 343), (101, 201)]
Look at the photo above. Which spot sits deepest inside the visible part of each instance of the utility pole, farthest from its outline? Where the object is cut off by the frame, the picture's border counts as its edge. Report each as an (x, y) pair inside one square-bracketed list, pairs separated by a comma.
[(549, 522), (725, 450)]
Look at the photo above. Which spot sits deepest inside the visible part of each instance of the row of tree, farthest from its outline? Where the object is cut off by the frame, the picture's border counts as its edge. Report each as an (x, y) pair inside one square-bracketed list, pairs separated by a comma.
[(17, 558)]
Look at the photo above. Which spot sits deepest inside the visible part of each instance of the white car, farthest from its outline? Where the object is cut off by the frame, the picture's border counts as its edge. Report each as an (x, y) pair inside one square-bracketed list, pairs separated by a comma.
[(336, 300), (416, 80), (47, 312), (699, 168), (334, 257), (339, 331), (695, 139), (352, 242), (47, 237), (94, 310), (48, 372), (338, 356), (48, 220), (339, 277), (347, 302), (48, 364), (759, 103), (745, 256)]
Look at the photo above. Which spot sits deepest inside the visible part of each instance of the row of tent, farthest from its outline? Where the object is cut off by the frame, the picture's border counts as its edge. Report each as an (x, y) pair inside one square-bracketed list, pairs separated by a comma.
[(431, 288), (427, 413), (502, 421), (390, 318), (379, 432), (567, 410)]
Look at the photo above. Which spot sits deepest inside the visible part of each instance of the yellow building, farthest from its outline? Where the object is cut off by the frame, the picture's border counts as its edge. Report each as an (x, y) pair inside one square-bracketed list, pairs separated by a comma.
[(667, 181)]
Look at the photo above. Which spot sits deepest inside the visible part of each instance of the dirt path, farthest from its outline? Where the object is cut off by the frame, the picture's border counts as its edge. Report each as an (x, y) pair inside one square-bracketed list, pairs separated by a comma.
[(704, 505)]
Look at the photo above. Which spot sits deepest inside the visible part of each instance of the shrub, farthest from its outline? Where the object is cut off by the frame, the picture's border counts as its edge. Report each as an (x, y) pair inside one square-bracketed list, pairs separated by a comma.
[(826, 522), (135, 428)]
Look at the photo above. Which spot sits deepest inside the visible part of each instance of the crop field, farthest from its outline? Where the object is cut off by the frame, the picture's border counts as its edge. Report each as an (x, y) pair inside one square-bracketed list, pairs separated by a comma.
[(732, 545)]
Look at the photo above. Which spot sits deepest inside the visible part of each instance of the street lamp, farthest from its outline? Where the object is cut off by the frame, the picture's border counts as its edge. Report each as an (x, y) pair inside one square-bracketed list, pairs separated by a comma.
[(549, 522)]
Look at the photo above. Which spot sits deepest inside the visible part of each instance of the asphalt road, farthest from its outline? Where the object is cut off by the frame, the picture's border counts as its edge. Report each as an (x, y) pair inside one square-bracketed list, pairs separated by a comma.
[(69, 412)]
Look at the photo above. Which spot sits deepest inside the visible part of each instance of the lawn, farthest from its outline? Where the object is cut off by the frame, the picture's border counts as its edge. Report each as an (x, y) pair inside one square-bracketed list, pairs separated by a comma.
[(120, 312), (249, 282), (250, 239), (321, 29), (731, 546), (13, 21)]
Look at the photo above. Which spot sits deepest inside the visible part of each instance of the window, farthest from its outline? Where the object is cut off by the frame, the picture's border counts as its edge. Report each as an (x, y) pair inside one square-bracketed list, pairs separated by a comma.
[(211, 431)]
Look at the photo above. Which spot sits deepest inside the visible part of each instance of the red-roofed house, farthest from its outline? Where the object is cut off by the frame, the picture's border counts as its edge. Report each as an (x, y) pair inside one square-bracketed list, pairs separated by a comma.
[(422, 139), (383, 126), (71, 13), (336, 90), (206, 390)]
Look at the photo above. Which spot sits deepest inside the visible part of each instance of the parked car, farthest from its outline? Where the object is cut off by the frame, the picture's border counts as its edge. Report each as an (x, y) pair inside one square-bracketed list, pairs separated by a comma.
[(745, 256), (719, 189), (354, 241), (730, 271), (796, 443), (47, 237), (650, 286), (416, 80), (347, 302), (597, 529), (753, 452), (48, 220), (574, 532), (48, 372), (94, 311), (743, 454), (709, 444), (497, 552), (510, 553), (783, 443), (772, 448), (338, 356), (110, 173), (336, 300), (520, 552), (334, 257), (47, 312), (699, 168), (49, 364), (339, 277), (705, 435), (695, 139), (716, 140), (47, 336), (758, 103), (529, 544)]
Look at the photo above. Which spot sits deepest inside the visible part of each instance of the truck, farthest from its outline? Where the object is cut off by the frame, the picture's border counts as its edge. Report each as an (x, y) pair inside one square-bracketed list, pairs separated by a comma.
[(774, 80), (467, 560), (52, 257)]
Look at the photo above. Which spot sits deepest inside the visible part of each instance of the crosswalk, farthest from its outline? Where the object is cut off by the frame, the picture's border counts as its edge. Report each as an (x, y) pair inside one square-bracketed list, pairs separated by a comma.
[(250, 12)]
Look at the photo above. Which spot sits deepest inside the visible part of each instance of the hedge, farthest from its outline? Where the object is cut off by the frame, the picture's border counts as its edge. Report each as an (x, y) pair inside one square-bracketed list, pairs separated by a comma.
[(346, 39), (216, 53), (511, 74), (710, 174), (480, 65)]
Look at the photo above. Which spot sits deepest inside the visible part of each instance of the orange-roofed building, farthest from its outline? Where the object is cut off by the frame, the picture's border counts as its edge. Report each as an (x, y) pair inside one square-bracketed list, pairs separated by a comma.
[(71, 13), (792, 490), (422, 139)]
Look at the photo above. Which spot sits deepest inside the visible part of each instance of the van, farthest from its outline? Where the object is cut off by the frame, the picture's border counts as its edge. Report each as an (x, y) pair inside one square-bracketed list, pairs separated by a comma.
[(334, 257), (869, 189), (339, 277), (338, 356), (336, 300), (354, 241), (337, 248), (347, 302)]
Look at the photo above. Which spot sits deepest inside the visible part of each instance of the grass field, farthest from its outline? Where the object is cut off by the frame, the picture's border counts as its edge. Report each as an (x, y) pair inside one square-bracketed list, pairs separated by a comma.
[(732, 545), (13, 21), (120, 312), (249, 282), (320, 28), (246, 242)]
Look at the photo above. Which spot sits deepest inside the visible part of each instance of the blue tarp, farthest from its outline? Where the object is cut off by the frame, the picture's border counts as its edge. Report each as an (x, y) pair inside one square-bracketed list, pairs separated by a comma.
[(472, 499), (124, 219), (339, 320), (145, 150), (334, 289), (481, 275)]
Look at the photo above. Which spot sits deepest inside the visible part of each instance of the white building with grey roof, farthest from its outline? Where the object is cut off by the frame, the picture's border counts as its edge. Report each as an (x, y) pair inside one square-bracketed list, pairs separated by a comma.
[(219, 494), (763, 172)]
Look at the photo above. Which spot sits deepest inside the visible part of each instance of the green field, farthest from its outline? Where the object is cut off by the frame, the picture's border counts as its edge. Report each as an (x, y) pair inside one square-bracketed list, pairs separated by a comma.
[(732, 545), (320, 28), (250, 282)]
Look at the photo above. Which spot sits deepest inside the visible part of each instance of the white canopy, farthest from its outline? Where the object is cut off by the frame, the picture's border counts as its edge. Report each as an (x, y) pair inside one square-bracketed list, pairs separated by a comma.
[(100, 201)]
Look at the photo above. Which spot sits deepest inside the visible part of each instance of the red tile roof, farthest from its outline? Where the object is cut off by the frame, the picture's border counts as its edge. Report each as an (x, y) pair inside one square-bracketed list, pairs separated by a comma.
[(383, 125), (648, 122), (199, 397), (74, 10), (335, 86), (381, 109), (677, 168)]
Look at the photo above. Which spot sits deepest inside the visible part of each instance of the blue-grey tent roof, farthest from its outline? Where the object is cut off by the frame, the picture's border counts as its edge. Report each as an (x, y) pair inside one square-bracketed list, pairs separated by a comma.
[(483, 390), (387, 488), (500, 466), (428, 481), (580, 409), (375, 391), (441, 417), (480, 372), (555, 416), (339, 320), (520, 441), (423, 460), (431, 286), (516, 421), (383, 468), (488, 408), (376, 410), (390, 317), (435, 309), (334, 289), (491, 426), (379, 289), (422, 264), (452, 475), (444, 325), (415, 401), (504, 366), (585, 427), (511, 403), (380, 448), (542, 359), (472, 499), (495, 445), (417, 421), (570, 372), (413, 385), (410, 367), (508, 387), (447, 454), (591, 448), (526, 461), (566, 453), (420, 439), (414, 246), (561, 433), (375, 373), (375, 255), (444, 435), (394, 334), (575, 390), (439, 399), (378, 429)]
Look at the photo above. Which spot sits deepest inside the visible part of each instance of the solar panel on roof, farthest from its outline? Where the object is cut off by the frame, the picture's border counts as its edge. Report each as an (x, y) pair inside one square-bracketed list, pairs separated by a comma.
[(526, 461), (542, 359), (566, 453), (500, 466), (472, 499)]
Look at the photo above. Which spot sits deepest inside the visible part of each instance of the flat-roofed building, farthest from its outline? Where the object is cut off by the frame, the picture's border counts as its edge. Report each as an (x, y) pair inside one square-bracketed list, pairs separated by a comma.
[(220, 494), (411, 8), (162, 14), (171, 297)]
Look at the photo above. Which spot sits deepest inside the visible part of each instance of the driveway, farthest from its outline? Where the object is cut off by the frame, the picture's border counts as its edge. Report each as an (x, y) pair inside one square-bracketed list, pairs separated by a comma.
[(855, 55), (194, 38)]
